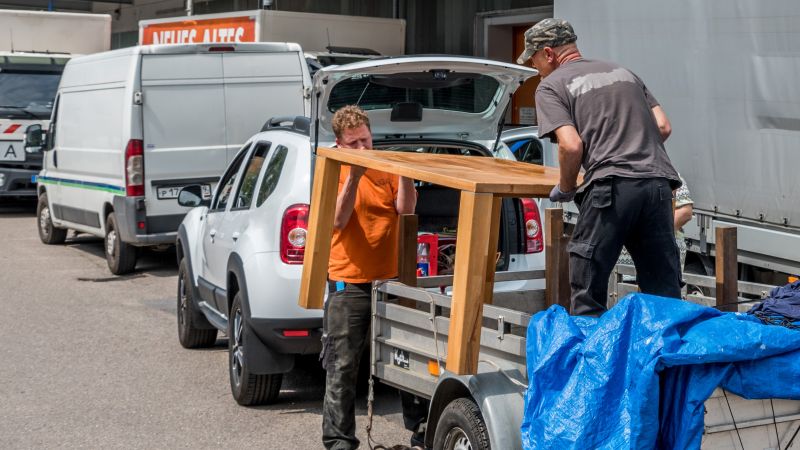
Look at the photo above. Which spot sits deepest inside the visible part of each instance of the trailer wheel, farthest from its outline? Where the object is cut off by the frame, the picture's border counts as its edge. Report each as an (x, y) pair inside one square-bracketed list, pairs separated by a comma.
[(461, 427), (121, 256), (48, 233)]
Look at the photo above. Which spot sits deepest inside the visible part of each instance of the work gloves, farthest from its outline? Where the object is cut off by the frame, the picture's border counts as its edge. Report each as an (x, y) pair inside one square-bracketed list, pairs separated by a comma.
[(559, 196)]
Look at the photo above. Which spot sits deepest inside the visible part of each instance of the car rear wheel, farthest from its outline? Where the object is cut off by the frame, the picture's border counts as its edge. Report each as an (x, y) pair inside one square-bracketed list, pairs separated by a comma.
[(48, 233), (188, 334), (461, 427), (248, 389), (121, 256)]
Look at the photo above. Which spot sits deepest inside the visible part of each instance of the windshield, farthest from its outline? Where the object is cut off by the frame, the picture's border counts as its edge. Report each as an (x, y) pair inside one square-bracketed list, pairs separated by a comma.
[(27, 94), (436, 89)]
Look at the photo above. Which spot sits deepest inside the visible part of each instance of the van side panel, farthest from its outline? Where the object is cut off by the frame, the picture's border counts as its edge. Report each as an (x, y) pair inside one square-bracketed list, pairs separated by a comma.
[(90, 142), (259, 86), (183, 117)]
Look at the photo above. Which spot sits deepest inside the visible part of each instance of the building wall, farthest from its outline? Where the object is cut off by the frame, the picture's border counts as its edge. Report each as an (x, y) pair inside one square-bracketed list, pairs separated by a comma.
[(433, 26)]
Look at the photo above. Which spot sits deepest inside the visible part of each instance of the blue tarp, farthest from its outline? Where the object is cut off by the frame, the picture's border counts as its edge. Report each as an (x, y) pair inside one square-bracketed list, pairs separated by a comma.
[(638, 376)]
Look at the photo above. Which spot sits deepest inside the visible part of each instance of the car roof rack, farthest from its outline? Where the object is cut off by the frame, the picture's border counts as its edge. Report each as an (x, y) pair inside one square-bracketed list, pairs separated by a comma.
[(296, 124)]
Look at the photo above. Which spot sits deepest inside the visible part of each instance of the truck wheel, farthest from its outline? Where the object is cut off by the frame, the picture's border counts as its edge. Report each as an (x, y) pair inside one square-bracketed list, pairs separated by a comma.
[(121, 257), (461, 427), (48, 233), (248, 389), (188, 335)]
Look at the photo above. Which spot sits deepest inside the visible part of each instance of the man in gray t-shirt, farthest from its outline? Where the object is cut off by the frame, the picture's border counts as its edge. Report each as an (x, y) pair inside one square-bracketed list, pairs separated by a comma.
[(606, 120)]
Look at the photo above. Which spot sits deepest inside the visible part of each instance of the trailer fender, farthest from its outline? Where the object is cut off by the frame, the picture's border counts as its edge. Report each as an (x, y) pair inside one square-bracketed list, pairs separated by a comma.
[(499, 398)]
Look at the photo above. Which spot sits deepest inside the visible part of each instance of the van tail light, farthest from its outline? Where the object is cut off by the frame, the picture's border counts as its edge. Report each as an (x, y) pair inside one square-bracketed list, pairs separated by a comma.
[(134, 168), (294, 229), (534, 242)]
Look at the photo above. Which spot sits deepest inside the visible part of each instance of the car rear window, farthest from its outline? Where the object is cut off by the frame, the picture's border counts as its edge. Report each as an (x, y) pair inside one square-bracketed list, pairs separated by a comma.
[(436, 89)]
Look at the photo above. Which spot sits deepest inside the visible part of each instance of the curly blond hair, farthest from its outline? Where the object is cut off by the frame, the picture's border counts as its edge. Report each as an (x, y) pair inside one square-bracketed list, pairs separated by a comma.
[(347, 117)]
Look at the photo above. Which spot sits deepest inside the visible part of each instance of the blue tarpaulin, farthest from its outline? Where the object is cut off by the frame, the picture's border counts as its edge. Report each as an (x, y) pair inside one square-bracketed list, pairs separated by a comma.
[(637, 377)]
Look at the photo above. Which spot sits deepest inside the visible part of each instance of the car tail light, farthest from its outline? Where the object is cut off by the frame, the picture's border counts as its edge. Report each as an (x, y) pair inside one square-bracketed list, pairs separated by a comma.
[(294, 229), (134, 168), (222, 49), (533, 226)]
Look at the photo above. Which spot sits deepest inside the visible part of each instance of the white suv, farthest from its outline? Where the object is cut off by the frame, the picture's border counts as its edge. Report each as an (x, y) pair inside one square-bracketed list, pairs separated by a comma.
[(241, 252)]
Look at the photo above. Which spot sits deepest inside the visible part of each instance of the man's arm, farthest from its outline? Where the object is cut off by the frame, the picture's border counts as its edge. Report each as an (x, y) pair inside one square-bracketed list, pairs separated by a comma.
[(683, 215), (664, 127), (570, 155), (346, 199), (406, 201)]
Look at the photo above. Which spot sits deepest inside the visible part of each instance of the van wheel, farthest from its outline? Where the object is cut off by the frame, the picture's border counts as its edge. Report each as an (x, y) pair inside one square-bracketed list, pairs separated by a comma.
[(461, 427), (48, 233), (188, 335), (121, 257), (248, 389)]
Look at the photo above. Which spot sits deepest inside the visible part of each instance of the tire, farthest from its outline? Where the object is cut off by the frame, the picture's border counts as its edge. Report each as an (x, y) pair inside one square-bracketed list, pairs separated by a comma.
[(248, 389), (48, 233), (461, 427), (120, 256), (188, 335)]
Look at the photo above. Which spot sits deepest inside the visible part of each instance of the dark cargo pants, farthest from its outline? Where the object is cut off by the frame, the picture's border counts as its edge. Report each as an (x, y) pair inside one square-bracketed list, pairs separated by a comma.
[(346, 322), (636, 213)]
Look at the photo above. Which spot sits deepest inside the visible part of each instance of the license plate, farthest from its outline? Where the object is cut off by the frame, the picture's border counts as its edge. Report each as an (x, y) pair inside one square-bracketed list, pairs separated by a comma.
[(12, 151), (400, 358), (168, 192)]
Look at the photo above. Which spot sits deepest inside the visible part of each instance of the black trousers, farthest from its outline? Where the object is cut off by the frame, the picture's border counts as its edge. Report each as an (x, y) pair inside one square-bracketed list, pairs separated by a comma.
[(615, 211), (345, 325)]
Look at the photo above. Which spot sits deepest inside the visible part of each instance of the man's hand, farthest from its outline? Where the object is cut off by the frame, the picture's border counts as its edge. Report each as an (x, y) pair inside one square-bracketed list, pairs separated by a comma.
[(356, 172), (559, 196)]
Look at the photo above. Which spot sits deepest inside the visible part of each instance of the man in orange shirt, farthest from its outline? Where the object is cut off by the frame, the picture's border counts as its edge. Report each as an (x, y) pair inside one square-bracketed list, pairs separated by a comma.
[(363, 249)]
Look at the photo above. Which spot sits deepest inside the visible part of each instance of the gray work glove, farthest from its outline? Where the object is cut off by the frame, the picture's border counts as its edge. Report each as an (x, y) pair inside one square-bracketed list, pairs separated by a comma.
[(559, 196)]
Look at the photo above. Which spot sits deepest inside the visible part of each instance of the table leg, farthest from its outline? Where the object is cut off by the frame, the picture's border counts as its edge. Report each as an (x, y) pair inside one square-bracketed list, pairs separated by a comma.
[(320, 230), (472, 257), (494, 235)]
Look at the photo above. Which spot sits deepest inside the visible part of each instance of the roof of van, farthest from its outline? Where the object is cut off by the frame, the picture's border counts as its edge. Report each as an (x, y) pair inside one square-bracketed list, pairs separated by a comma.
[(175, 49)]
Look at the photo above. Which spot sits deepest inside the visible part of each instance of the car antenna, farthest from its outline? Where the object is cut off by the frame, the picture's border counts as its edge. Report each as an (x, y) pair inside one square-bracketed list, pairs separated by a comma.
[(328, 32)]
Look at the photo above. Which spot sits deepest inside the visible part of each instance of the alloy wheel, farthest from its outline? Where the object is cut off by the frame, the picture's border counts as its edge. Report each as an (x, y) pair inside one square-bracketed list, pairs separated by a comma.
[(111, 240), (237, 348), (44, 220)]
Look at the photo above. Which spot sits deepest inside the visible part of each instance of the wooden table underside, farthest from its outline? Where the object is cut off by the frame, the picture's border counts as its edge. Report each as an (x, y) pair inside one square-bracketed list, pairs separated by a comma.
[(483, 182)]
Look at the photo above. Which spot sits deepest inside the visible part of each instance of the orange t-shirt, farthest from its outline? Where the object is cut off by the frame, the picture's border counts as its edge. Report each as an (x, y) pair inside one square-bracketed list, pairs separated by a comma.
[(366, 248)]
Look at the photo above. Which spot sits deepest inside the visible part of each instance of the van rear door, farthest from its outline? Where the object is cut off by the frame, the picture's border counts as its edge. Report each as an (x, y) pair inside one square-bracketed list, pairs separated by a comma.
[(183, 118), (258, 86)]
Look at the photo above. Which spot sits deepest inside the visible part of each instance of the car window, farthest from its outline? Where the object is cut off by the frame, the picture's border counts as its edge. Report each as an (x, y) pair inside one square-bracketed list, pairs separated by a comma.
[(272, 175), (244, 198), (527, 150), (225, 185)]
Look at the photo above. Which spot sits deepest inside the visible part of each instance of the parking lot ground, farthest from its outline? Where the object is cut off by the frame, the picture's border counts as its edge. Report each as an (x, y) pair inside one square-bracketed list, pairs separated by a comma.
[(91, 360)]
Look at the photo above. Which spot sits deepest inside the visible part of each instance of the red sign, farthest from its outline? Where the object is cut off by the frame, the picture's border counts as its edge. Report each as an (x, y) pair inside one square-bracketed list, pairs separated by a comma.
[(230, 29)]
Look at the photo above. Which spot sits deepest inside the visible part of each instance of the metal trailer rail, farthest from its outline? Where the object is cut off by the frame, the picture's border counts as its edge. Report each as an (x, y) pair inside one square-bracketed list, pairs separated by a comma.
[(410, 328)]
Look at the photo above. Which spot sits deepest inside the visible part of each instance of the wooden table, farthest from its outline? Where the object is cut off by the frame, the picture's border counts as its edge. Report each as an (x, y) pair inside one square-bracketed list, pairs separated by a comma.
[(483, 183)]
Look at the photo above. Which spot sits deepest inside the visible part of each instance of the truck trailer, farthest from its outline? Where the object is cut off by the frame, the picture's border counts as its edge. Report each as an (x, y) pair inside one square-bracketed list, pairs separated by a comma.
[(725, 72), (34, 47)]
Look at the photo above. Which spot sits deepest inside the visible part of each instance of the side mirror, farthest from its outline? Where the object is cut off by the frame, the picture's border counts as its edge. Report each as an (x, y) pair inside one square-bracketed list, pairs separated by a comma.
[(35, 139), (191, 196)]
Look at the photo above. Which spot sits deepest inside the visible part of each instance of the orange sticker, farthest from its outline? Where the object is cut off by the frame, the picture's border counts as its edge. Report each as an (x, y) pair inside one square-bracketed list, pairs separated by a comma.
[(231, 29)]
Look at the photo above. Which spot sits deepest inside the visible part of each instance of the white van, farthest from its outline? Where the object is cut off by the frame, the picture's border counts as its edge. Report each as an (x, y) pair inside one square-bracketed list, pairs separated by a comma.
[(131, 127)]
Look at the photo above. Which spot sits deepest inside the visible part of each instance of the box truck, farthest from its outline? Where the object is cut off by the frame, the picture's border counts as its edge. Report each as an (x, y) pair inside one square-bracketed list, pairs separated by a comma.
[(314, 32), (34, 47)]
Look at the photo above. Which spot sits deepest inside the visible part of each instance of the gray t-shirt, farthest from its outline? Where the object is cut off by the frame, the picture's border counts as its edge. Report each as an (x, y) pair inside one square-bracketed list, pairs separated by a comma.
[(612, 110)]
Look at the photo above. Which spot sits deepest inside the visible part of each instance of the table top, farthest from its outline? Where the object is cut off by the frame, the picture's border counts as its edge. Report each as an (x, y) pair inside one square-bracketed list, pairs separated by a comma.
[(467, 173)]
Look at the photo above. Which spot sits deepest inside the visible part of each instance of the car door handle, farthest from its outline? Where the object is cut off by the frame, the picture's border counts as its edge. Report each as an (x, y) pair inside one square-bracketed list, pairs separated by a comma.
[(235, 236), (211, 234)]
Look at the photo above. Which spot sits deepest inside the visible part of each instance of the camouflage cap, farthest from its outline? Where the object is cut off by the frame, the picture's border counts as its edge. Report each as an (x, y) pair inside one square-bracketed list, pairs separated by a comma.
[(546, 33)]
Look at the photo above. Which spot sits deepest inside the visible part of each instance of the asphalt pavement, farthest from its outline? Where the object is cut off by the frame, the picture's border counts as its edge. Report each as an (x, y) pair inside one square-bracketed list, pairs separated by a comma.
[(92, 360)]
